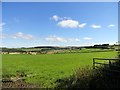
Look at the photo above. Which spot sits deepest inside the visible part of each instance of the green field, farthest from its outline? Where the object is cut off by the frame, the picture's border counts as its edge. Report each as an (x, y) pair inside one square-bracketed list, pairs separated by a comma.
[(47, 68)]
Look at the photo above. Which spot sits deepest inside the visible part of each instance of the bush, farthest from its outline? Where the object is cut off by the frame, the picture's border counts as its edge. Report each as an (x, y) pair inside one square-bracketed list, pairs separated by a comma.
[(89, 78)]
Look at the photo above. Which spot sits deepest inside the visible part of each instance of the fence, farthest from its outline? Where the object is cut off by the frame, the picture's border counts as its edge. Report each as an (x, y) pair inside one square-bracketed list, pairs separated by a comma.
[(109, 63)]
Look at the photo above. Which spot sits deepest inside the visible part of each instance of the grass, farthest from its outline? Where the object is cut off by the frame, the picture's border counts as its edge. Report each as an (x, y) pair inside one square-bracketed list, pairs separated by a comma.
[(47, 68)]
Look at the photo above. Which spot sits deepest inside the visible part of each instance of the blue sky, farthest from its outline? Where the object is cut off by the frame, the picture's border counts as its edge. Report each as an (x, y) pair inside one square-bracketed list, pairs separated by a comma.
[(60, 0), (59, 24)]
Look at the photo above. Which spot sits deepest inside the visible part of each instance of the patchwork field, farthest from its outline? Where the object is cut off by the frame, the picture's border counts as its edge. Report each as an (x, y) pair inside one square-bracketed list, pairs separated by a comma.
[(45, 69)]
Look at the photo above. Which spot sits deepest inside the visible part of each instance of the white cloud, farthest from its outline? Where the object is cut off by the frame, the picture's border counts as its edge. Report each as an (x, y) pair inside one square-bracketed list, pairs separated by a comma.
[(111, 25), (55, 39), (95, 26), (68, 23), (65, 18), (87, 38), (1, 26), (58, 18), (82, 25), (73, 40), (55, 17), (76, 39), (22, 35)]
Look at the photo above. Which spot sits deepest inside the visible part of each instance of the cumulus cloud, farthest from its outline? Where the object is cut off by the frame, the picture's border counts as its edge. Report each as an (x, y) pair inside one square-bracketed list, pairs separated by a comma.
[(22, 35), (87, 38), (55, 39), (68, 23), (111, 25), (95, 26), (82, 25)]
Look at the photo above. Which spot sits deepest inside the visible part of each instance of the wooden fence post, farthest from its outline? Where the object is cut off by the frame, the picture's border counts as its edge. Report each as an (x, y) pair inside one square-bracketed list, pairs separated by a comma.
[(109, 63), (93, 63)]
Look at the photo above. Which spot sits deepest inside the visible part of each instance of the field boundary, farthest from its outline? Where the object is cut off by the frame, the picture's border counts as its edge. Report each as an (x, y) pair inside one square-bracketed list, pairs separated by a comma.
[(108, 64)]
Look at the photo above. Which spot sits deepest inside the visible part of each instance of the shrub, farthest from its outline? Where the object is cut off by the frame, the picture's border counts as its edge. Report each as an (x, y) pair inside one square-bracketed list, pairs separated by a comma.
[(89, 78)]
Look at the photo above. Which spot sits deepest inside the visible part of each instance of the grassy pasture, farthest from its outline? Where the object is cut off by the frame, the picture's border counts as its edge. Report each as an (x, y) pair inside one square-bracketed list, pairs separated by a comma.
[(47, 68)]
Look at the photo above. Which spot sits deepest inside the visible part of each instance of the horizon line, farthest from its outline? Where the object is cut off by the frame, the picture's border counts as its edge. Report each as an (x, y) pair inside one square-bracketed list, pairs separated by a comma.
[(55, 46)]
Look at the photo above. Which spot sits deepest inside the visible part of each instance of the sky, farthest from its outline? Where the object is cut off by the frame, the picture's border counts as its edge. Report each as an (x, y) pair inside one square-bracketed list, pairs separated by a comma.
[(60, 0), (26, 24)]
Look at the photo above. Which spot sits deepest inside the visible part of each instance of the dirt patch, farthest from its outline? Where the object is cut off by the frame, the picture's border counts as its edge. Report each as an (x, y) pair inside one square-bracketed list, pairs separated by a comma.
[(18, 84)]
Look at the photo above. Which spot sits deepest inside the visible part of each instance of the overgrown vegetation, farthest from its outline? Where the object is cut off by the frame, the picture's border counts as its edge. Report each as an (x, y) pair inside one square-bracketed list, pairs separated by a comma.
[(93, 79)]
